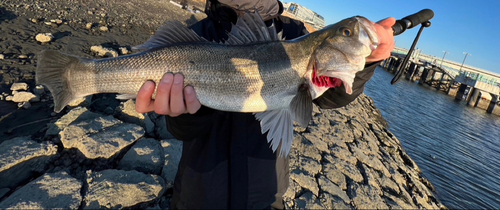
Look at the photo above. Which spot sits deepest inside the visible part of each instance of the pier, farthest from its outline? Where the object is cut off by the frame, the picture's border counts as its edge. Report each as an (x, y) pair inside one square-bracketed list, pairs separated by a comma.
[(477, 87)]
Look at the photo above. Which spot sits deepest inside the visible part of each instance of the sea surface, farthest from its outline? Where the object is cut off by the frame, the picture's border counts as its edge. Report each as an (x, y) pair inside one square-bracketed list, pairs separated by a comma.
[(457, 147)]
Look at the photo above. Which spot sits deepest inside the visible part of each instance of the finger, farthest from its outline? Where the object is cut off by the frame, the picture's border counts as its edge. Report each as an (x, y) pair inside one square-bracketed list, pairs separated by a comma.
[(162, 100), (177, 106), (143, 102), (192, 103)]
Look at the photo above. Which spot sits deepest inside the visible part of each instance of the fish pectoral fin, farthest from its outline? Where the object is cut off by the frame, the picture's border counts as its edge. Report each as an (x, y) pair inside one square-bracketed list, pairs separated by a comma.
[(172, 32), (279, 127), (301, 107), (126, 96)]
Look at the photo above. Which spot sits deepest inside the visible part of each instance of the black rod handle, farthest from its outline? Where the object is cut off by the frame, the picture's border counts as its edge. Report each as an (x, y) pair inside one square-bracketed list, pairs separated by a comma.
[(411, 21)]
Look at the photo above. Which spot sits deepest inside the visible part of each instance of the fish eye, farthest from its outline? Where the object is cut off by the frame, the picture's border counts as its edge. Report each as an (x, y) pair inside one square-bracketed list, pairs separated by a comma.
[(345, 31)]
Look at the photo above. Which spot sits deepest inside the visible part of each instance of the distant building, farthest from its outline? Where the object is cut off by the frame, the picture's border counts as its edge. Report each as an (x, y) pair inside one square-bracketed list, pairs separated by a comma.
[(305, 15)]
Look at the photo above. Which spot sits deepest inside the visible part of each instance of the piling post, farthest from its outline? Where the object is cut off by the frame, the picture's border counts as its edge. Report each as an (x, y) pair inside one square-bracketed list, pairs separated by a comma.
[(473, 99), (440, 83), (411, 71), (493, 103), (461, 92), (424, 76)]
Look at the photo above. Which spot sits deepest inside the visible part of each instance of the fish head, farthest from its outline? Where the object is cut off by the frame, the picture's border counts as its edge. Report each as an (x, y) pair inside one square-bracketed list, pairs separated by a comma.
[(342, 52)]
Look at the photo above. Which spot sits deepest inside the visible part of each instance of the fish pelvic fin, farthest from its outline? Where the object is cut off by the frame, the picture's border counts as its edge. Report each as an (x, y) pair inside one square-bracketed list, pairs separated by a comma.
[(52, 71), (279, 123), (279, 127)]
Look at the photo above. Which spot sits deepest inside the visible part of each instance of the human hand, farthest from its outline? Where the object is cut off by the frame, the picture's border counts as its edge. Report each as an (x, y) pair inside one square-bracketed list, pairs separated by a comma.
[(172, 98), (385, 39)]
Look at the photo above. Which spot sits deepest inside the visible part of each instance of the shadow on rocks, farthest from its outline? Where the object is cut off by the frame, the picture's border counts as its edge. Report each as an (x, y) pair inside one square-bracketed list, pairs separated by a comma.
[(6, 15), (76, 164), (60, 35)]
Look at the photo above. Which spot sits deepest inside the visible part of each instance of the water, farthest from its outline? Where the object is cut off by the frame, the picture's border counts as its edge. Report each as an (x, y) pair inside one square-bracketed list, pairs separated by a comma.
[(457, 147)]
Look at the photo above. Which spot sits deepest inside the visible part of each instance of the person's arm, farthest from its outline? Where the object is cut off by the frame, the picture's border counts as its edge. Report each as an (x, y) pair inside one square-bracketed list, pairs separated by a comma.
[(337, 97)]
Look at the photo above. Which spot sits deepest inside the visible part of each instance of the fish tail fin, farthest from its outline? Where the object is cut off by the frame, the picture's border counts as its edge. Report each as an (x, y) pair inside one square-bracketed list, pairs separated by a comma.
[(53, 70)]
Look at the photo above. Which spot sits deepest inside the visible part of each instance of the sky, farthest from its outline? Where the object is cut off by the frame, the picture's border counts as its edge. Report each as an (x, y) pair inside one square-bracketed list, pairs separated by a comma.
[(458, 26)]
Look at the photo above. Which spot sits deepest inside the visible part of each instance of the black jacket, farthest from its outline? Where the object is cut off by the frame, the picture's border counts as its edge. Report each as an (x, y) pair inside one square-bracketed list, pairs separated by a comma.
[(226, 161)]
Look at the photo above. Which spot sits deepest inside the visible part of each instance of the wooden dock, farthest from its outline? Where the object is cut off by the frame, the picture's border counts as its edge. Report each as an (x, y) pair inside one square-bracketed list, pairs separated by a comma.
[(464, 85)]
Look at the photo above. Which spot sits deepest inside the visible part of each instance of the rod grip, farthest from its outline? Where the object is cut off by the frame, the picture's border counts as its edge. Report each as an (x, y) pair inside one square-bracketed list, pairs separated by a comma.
[(411, 21)]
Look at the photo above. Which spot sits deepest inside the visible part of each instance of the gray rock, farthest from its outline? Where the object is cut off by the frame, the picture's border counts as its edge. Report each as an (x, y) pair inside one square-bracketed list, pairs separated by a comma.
[(312, 167), (308, 201), (334, 175), (292, 191), (370, 177), (104, 29), (389, 185), (343, 153), (126, 112), (305, 181), (19, 86), (44, 37), (24, 105), (304, 147), (366, 197), (333, 189), (4, 192), (317, 141), (39, 90), (333, 202), (85, 101), (23, 96), (103, 51), (124, 50), (53, 190), (145, 156), (122, 189), (397, 203), (2, 56), (349, 170), (172, 149), (21, 157), (89, 26), (76, 115), (160, 126), (100, 137)]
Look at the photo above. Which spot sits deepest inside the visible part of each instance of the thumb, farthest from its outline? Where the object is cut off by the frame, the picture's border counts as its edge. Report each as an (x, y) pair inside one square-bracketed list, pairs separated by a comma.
[(388, 22)]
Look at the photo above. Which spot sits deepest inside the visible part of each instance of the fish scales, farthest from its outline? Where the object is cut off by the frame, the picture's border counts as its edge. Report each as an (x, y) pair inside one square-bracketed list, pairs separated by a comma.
[(222, 75)]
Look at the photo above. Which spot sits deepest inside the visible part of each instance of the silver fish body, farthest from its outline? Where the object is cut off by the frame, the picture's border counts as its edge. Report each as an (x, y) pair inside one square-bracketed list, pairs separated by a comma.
[(254, 71), (241, 78)]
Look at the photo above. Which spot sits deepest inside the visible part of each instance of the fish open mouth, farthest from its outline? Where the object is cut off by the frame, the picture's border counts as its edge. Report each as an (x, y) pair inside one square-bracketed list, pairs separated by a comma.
[(324, 81)]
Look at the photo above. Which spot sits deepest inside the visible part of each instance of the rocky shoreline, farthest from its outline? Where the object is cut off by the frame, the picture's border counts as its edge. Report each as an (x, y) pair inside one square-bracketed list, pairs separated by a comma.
[(100, 153)]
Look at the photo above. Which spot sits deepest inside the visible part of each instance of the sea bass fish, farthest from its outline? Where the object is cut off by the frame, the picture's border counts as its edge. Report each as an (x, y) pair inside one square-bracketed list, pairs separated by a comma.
[(254, 71)]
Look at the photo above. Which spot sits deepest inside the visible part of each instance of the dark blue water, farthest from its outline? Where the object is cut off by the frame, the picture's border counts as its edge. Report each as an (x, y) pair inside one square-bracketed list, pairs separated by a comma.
[(465, 141)]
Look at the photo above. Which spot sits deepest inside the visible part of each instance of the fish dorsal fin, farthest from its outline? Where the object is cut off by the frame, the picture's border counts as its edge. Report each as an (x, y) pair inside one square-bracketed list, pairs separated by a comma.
[(250, 28), (172, 32), (279, 123)]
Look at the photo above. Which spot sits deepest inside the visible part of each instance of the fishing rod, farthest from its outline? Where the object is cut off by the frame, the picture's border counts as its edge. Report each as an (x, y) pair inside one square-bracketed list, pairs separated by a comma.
[(420, 18)]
